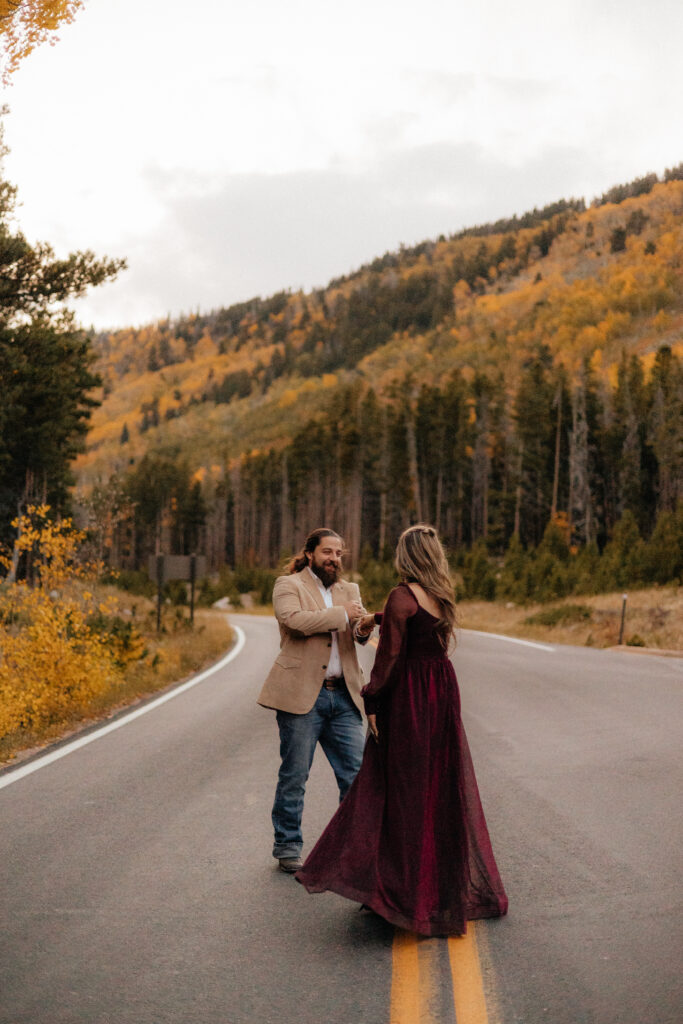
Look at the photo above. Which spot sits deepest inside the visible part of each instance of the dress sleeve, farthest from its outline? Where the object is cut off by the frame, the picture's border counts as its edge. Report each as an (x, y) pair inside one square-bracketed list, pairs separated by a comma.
[(401, 606)]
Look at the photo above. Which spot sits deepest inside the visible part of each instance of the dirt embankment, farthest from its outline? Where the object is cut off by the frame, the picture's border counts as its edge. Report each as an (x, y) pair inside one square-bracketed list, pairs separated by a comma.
[(653, 619)]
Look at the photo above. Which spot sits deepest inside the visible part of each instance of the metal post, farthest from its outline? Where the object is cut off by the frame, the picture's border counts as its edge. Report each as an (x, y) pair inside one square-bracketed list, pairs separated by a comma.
[(623, 617), (160, 584), (193, 576)]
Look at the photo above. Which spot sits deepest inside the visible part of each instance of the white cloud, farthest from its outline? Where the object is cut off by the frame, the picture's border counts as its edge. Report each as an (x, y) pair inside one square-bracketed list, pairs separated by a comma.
[(227, 240), (232, 150)]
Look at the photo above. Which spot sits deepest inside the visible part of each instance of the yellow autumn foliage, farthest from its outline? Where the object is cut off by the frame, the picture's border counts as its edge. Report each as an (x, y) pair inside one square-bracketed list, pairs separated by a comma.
[(53, 661), (288, 397), (26, 24)]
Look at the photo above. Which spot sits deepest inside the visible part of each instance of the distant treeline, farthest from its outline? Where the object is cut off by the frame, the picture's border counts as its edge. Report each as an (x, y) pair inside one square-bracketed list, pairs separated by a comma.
[(338, 329), (639, 186), (355, 324), (492, 470), (343, 329), (410, 293)]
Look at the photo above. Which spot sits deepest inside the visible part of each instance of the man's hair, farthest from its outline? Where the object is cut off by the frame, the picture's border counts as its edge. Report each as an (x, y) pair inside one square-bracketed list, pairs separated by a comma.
[(300, 561)]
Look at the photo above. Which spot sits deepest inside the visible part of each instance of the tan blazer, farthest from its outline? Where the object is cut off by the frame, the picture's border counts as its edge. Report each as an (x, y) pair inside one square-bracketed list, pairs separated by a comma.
[(294, 682)]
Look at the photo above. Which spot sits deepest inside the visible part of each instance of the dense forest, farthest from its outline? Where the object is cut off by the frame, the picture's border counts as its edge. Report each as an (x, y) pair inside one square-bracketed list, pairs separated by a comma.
[(518, 384), (557, 462)]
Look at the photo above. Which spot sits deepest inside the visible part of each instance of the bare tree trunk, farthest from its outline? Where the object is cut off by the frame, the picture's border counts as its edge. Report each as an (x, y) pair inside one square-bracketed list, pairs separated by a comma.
[(412, 463), (315, 511), (253, 516), (329, 500), (321, 506), (237, 515), (133, 549), (628, 477), (355, 505), (21, 508), (265, 527), (581, 505), (425, 504), (216, 531), (485, 510), (518, 493), (459, 492), (286, 538), (439, 498), (16, 554), (558, 435), (115, 553), (382, 522), (480, 475), (384, 485)]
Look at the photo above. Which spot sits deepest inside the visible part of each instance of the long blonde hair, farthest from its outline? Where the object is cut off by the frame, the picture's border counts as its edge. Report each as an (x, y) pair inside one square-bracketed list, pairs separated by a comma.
[(420, 558)]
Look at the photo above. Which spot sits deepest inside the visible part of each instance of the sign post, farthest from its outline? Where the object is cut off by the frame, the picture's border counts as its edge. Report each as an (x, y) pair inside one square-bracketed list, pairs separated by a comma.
[(193, 577), (176, 567), (623, 618), (160, 586)]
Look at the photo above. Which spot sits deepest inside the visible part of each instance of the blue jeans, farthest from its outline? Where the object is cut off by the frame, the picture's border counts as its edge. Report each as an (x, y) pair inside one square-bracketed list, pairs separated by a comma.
[(335, 722)]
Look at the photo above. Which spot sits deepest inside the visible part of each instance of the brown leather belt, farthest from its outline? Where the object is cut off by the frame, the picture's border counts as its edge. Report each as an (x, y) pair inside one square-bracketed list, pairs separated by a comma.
[(334, 684)]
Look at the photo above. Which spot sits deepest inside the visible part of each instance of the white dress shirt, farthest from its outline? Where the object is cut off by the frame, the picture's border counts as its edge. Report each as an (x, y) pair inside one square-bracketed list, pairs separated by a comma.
[(334, 666)]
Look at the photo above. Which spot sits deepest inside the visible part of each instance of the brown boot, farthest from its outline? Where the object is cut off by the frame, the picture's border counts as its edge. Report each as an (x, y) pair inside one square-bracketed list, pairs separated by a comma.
[(290, 864)]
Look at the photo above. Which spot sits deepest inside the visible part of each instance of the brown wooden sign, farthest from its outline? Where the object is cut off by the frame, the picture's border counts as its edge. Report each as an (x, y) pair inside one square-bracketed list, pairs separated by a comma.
[(176, 567)]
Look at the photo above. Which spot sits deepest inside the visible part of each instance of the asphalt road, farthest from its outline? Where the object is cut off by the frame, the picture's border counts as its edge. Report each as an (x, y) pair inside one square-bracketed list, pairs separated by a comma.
[(137, 886)]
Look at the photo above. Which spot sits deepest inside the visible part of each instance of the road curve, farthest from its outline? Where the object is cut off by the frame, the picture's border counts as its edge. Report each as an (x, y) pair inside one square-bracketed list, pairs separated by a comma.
[(137, 885)]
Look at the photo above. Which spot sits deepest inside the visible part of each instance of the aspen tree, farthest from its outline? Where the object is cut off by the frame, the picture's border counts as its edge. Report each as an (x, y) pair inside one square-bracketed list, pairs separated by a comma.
[(25, 24)]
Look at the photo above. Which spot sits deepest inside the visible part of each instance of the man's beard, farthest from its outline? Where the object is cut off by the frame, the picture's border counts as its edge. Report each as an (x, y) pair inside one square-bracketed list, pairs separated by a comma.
[(327, 574)]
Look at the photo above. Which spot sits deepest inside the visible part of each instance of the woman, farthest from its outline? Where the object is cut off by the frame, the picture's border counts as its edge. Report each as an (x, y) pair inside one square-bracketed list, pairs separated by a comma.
[(410, 841)]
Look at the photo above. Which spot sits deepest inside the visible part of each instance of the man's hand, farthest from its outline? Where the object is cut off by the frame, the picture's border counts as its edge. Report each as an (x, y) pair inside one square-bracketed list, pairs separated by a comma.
[(354, 610), (372, 726)]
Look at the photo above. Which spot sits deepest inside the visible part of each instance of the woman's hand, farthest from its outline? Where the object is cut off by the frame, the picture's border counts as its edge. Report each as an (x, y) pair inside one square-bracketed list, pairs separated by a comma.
[(372, 726), (365, 624)]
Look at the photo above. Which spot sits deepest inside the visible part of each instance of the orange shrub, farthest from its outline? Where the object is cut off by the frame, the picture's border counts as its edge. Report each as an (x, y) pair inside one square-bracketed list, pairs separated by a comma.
[(53, 664)]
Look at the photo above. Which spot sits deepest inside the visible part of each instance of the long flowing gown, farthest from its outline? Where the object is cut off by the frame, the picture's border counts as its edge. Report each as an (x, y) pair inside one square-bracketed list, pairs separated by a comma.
[(410, 840)]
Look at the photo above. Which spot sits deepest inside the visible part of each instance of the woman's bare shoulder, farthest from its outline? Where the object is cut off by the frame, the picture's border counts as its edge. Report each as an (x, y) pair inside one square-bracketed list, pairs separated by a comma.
[(425, 600)]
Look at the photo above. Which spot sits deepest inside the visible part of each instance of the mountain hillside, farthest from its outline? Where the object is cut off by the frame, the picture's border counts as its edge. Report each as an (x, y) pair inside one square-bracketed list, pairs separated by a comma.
[(492, 381), (584, 283)]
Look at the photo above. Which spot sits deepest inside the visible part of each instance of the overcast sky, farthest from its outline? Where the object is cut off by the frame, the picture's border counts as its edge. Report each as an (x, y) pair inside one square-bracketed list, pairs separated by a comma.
[(233, 149)]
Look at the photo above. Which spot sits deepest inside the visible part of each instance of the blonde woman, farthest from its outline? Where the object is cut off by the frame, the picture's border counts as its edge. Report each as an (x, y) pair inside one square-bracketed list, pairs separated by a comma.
[(410, 840)]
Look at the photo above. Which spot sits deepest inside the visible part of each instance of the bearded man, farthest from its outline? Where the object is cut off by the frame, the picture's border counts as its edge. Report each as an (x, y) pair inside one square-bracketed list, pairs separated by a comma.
[(315, 683)]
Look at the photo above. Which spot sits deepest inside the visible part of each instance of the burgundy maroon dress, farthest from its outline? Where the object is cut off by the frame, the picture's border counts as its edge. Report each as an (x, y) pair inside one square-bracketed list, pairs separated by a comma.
[(410, 840)]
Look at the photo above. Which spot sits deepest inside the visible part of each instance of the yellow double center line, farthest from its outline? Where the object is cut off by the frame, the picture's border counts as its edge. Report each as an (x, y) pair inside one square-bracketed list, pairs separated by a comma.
[(416, 979)]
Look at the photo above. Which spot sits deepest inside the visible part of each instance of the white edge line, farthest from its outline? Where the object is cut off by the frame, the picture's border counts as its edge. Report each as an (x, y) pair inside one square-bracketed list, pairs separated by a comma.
[(511, 640), (41, 762)]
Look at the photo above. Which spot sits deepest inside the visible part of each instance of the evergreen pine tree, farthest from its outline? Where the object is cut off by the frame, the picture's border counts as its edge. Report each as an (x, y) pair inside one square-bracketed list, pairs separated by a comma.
[(46, 378)]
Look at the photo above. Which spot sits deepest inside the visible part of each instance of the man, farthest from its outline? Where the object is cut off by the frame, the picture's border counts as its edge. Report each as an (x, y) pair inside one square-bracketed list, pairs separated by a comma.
[(315, 682)]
